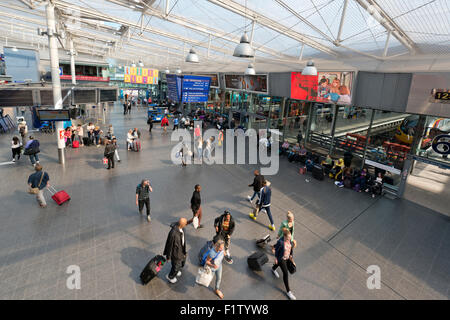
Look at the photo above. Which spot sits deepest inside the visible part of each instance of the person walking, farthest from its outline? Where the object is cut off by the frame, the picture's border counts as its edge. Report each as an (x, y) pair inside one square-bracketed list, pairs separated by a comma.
[(23, 131), (125, 107), (143, 197), (16, 147), (175, 123), (264, 204), (109, 153), (257, 185), (96, 132), (90, 132), (37, 182), (164, 124), (184, 154), (150, 124), (80, 134), (32, 150), (130, 139), (116, 152), (175, 250), (224, 229), (287, 224), (283, 251), (196, 206), (214, 261), (129, 107)]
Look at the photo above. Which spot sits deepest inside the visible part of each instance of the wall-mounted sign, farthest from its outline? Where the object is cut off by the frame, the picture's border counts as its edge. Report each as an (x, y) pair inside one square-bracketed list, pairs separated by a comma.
[(251, 83), (214, 78), (83, 78), (440, 96), (195, 88), (141, 75)]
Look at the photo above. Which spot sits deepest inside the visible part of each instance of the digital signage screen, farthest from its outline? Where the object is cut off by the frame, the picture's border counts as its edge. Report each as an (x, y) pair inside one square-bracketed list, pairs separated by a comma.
[(195, 88), (214, 78), (53, 115), (252, 83), (173, 88), (326, 87)]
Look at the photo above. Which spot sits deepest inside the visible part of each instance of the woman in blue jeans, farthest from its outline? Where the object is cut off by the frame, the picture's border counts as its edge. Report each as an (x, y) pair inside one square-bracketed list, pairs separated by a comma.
[(214, 261), (32, 150)]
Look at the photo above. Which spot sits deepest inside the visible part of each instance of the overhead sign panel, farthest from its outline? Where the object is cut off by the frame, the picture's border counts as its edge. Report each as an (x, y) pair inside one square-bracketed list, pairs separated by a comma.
[(195, 88), (141, 75), (173, 87), (251, 83)]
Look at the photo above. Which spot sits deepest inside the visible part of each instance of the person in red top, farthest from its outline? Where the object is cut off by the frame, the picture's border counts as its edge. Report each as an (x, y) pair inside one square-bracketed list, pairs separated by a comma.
[(165, 123), (68, 136)]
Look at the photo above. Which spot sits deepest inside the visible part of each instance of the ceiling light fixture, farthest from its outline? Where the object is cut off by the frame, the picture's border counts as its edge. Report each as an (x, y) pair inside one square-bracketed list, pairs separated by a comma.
[(167, 71), (140, 64), (192, 56), (133, 65), (243, 49), (310, 69), (250, 70), (14, 49), (178, 71)]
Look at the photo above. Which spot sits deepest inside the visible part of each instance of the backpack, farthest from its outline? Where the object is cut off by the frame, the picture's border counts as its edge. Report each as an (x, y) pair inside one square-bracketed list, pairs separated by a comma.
[(204, 252)]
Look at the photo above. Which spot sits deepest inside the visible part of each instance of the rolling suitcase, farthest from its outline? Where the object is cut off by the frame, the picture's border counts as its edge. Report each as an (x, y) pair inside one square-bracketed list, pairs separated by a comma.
[(317, 172), (137, 145), (76, 144), (152, 268), (302, 170), (86, 141), (256, 260), (59, 196)]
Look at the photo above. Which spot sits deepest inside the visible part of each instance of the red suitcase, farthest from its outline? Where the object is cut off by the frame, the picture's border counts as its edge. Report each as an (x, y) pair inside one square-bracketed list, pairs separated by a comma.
[(302, 170), (59, 196), (76, 144)]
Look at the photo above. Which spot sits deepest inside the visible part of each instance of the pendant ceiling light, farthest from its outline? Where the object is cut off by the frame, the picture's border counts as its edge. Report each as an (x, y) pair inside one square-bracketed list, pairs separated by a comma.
[(310, 69), (133, 65), (243, 49), (140, 64), (192, 57), (167, 71), (178, 71), (250, 70)]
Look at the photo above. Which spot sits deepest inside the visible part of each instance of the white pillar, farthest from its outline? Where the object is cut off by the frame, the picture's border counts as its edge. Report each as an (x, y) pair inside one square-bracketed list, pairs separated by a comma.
[(72, 62), (56, 82)]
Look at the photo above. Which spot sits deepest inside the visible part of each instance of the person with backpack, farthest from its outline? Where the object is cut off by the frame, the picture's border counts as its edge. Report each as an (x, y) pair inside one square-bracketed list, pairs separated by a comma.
[(37, 182), (283, 251), (110, 150), (224, 229), (143, 197), (150, 124), (257, 185), (32, 150), (214, 261), (16, 147), (264, 204), (175, 249), (196, 207)]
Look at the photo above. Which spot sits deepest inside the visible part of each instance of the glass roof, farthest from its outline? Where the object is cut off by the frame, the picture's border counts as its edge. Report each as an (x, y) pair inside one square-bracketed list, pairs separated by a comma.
[(283, 32)]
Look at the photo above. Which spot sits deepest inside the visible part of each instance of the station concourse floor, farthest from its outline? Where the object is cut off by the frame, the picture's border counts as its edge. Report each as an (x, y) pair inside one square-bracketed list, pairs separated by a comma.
[(339, 232)]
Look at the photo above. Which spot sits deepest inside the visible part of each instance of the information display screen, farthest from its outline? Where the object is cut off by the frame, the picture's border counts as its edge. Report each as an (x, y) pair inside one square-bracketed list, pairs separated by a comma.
[(53, 115), (173, 87), (195, 88), (214, 78), (84, 96), (16, 98), (107, 95)]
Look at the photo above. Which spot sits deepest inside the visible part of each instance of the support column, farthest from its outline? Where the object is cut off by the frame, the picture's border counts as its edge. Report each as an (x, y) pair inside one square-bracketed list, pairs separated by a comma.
[(72, 62), (333, 127), (310, 118), (56, 82), (368, 137)]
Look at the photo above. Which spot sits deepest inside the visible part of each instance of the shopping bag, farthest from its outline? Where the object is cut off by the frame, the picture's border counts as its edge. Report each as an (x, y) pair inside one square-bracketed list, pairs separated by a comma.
[(204, 276), (195, 222)]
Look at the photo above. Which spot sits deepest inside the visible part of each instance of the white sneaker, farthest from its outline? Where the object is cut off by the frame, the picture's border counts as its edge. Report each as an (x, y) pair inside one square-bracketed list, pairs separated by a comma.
[(179, 274), (171, 280), (149, 219), (249, 199), (291, 295), (275, 273), (13, 160)]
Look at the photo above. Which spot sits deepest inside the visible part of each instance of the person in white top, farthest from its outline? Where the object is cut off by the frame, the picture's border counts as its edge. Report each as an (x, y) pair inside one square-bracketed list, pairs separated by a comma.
[(23, 130), (80, 133), (15, 148), (90, 131), (130, 138)]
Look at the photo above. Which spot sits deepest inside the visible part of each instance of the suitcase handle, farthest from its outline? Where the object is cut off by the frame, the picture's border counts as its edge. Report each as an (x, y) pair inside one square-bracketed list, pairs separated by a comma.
[(52, 190)]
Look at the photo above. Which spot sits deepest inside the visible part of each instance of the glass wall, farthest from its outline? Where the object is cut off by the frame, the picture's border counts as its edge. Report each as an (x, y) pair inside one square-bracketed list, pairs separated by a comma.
[(434, 140)]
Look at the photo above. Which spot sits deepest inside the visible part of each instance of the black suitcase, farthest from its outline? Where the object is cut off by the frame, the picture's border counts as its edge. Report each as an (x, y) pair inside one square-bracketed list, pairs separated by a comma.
[(152, 268), (317, 172), (256, 260), (86, 141)]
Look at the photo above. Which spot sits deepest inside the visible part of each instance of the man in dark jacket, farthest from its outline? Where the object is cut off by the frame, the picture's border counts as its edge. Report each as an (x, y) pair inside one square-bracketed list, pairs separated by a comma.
[(224, 229), (264, 204), (257, 185), (110, 150), (175, 249), (196, 207)]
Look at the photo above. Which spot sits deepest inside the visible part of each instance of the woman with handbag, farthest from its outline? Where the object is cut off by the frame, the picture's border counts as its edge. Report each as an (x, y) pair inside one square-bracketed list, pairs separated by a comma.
[(283, 251)]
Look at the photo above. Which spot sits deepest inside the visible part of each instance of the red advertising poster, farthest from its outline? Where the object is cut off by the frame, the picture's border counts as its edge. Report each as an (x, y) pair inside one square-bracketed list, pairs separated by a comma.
[(304, 87), (83, 78)]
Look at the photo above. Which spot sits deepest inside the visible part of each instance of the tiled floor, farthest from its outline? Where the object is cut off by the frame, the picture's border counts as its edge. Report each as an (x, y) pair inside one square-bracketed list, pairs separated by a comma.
[(340, 232)]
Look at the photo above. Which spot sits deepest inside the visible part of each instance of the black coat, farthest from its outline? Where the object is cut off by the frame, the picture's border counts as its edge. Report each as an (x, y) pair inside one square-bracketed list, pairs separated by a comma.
[(196, 201), (219, 221), (174, 249), (257, 183)]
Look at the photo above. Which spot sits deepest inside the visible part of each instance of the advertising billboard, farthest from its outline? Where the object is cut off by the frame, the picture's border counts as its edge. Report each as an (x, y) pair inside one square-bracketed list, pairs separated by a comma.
[(327, 87), (141, 75), (214, 78), (251, 83)]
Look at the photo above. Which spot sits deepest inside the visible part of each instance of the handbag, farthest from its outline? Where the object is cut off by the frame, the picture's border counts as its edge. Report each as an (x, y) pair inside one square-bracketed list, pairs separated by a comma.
[(204, 276), (292, 268), (195, 222), (36, 190)]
